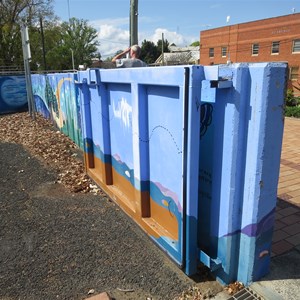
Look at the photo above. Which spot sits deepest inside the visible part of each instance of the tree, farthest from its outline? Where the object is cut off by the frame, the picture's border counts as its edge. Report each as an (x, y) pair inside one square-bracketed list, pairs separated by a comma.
[(55, 56), (78, 37), (59, 39), (149, 52), (13, 14), (195, 44), (62, 41), (166, 46)]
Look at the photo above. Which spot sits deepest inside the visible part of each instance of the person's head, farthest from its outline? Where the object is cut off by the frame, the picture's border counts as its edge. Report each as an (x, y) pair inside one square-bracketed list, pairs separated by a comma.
[(135, 51)]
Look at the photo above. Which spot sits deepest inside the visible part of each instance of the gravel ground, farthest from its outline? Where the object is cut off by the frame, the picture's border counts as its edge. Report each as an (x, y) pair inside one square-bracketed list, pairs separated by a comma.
[(58, 244)]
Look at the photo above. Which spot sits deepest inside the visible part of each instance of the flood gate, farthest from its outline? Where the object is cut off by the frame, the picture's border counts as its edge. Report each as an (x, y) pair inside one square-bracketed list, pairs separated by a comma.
[(13, 95), (192, 154)]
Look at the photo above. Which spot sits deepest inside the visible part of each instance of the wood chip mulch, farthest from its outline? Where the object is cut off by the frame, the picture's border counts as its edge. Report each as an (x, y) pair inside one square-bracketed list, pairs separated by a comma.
[(50, 146)]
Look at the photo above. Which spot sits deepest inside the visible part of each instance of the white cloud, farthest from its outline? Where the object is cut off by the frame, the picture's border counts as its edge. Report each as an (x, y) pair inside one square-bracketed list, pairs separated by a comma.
[(172, 37), (123, 111), (112, 39), (113, 35)]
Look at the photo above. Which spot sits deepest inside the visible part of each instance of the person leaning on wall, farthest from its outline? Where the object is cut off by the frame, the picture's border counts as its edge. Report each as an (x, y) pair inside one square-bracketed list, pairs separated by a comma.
[(133, 61)]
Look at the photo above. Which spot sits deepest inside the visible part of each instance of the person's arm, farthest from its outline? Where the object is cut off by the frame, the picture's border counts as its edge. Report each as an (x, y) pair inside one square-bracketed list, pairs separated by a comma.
[(120, 55)]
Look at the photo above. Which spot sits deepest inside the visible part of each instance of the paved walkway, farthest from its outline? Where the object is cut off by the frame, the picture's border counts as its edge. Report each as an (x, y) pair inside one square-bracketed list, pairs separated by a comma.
[(287, 219)]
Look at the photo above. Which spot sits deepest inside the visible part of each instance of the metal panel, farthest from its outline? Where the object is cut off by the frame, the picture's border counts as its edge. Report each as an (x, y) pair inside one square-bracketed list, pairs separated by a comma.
[(241, 141), (192, 154), (56, 98), (143, 113), (13, 95)]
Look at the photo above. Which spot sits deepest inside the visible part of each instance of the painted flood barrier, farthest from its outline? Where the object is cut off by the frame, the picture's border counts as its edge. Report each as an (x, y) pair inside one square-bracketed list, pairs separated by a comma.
[(56, 98), (131, 148), (13, 95), (192, 154)]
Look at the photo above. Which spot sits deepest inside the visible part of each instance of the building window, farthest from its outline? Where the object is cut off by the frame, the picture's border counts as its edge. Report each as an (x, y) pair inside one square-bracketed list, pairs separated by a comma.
[(296, 46), (255, 49), (275, 48), (211, 52), (294, 71), (224, 51)]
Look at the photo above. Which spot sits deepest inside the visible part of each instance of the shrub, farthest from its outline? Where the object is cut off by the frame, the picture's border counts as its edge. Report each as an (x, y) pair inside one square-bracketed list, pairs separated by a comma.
[(290, 99), (292, 111)]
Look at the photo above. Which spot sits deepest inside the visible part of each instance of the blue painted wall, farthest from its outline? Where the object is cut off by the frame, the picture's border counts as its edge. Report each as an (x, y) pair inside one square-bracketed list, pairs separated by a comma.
[(140, 147), (56, 98), (239, 170), (203, 144), (191, 153), (13, 95)]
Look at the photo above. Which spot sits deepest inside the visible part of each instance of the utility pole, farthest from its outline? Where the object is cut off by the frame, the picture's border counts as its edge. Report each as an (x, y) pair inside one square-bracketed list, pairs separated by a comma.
[(133, 22)]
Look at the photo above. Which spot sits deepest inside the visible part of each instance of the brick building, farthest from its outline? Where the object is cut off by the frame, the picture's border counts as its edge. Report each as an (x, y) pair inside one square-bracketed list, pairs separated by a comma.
[(273, 39)]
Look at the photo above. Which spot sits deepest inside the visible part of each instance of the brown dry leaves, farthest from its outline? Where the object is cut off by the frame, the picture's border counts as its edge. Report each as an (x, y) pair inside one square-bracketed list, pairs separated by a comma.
[(234, 287), (50, 146), (193, 293)]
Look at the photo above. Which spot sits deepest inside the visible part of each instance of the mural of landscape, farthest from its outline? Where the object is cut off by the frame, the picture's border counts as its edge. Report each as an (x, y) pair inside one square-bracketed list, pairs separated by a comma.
[(56, 98)]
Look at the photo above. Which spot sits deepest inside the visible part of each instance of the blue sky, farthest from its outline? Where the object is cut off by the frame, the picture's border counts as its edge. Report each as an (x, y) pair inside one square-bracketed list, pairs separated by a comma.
[(180, 20)]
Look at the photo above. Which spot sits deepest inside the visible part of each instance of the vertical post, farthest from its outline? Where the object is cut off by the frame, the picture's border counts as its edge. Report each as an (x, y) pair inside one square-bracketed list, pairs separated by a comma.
[(27, 58), (227, 21), (27, 88), (69, 9), (133, 22), (162, 49), (73, 64)]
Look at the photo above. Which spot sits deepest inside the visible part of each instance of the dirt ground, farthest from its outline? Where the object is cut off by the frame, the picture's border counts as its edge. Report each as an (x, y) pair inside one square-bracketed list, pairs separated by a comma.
[(62, 238)]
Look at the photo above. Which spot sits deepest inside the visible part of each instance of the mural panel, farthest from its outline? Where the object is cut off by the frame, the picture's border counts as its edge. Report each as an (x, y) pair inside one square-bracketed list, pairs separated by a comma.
[(56, 98), (13, 95), (191, 153)]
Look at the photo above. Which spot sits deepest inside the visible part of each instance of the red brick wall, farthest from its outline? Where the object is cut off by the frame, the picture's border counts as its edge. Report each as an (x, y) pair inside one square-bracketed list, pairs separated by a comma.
[(239, 39)]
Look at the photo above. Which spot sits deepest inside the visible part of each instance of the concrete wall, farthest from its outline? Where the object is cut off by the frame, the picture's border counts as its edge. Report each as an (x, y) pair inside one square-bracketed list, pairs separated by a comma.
[(192, 154), (56, 98)]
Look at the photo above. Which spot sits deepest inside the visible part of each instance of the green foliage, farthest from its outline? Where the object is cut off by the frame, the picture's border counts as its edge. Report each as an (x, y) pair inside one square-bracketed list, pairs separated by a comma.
[(290, 99), (60, 39), (166, 45), (149, 52), (195, 44), (79, 37), (292, 111), (292, 105), (13, 13)]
